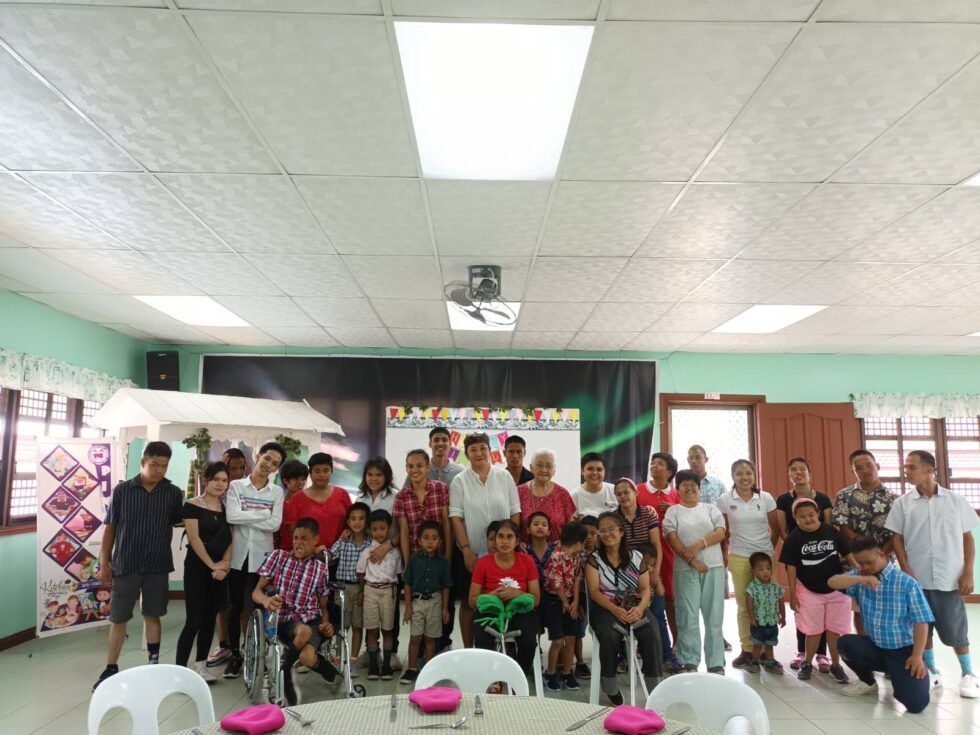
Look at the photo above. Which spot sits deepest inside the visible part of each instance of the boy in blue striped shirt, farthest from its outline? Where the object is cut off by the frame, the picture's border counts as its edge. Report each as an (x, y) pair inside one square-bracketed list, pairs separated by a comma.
[(896, 617)]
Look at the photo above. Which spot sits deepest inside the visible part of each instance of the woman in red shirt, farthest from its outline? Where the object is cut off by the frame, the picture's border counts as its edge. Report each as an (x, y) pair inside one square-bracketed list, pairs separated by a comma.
[(327, 504), (507, 574), (542, 495), (658, 493)]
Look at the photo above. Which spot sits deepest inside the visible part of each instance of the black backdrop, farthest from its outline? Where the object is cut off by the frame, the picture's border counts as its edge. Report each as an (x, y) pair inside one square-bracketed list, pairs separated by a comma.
[(615, 398)]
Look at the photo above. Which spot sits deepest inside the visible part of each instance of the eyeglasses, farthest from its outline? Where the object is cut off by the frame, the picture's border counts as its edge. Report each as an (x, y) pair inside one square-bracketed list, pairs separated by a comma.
[(609, 531)]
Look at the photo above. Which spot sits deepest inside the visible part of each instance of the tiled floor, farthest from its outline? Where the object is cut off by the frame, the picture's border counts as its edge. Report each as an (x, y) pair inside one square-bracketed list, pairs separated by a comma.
[(45, 687)]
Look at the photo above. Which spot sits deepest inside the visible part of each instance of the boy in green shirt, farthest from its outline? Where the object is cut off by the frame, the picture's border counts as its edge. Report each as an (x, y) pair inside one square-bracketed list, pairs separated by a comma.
[(427, 581)]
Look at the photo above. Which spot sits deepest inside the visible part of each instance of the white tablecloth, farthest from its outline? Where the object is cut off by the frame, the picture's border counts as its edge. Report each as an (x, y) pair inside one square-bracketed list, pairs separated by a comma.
[(502, 714)]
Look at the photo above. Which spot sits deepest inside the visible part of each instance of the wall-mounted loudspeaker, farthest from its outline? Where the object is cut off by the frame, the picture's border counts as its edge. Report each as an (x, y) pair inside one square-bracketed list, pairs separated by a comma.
[(162, 371)]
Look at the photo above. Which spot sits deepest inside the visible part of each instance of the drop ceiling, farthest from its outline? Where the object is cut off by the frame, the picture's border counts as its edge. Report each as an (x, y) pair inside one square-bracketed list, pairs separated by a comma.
[(721, 154)]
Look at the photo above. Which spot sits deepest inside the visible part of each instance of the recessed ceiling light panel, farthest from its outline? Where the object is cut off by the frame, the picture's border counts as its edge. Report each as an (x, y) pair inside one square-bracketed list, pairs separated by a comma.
[(767, 318), (198, 311)]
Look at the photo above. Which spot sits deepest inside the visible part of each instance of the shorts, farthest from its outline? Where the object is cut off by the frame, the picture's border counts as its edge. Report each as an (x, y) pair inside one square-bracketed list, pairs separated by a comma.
[(764, 635), (152, 589), (554, 620), (427, 617), (379, 607), (461, 575), (823, 612), (285, 632), (950, 614), (353, 612)]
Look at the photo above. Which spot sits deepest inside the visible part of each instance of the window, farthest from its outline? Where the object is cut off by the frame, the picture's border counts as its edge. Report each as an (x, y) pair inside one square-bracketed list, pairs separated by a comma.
[(25, 416), (963, 458), (891, 439)]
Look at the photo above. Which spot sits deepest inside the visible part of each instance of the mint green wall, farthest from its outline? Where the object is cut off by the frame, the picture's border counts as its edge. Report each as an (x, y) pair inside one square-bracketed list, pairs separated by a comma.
[(29, 326)]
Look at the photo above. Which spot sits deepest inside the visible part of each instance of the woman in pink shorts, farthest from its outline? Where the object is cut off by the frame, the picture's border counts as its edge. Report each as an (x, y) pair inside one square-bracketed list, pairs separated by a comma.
[(812, 554)]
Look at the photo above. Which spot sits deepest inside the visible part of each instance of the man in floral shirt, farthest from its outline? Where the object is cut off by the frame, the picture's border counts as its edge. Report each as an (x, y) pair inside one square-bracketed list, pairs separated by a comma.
[(862, 508)]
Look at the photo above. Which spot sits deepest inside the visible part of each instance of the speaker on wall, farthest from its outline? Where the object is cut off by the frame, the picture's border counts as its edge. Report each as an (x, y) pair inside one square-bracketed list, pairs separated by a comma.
[(162, 370)]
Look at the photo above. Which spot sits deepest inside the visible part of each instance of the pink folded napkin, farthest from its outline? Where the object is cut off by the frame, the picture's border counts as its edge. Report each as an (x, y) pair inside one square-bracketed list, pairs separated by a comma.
[(436, 699), (257, 720), (633, 721)]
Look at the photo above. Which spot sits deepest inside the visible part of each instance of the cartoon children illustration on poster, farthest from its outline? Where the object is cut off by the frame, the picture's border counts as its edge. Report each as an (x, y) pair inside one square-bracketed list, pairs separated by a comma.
[(60, 505), (59, 463), (83, 524), (62, 548), (82, 483), (83, 567)]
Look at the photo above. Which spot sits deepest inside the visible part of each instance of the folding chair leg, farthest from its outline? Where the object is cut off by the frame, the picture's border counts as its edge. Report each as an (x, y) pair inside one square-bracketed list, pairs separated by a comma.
[(538, 680), (596, 670)]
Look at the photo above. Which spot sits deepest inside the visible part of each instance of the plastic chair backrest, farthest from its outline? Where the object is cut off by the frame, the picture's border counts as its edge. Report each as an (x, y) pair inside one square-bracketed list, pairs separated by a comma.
[(139, 691), (714, 701), (473, 670)]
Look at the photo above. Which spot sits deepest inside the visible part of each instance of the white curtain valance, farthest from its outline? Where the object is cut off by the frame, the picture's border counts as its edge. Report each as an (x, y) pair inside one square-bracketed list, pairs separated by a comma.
[(900, 405), (19, 370)]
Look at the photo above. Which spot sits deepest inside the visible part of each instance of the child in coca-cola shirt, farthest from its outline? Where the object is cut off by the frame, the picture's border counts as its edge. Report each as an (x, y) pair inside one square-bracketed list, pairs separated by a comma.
[(812, 554)]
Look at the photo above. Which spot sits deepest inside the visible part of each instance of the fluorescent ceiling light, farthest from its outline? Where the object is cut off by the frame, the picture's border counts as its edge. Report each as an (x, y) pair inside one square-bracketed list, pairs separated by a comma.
[(198, 311), (766, 318), (974, 334), (973, 180), (494, 315), (491, 100)]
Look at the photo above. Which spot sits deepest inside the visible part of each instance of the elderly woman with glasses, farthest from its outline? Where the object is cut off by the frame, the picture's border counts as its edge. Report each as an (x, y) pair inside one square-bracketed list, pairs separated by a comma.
[(544, 495)]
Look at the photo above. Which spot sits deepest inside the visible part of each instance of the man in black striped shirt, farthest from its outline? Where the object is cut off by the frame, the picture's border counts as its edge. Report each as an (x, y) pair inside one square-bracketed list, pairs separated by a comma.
[(136, 558)]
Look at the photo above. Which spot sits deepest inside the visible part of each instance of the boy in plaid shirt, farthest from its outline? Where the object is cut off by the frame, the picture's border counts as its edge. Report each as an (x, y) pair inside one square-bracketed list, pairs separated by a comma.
[(346, 551), (300, 581), (560, 605)]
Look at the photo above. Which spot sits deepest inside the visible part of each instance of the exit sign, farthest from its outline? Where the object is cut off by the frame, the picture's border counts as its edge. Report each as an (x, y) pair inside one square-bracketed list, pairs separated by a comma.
[(712, 396)]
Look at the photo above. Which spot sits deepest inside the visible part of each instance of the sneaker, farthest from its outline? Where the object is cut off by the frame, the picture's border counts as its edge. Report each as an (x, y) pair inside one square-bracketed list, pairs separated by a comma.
[(728, 646), (690, 668), (671, 666), (568, 682), (805, 671), (582, 671), (615, 699), (774, 667), (386, 674), (742, 660), (355, 671), (396, 663), (823, 664), (201, 668), (836, 672), (109, 671), (753, 667), (798, 661), (409, 676), (720, 670), (219, 656), (621, 664), (373, 674), (935, 680), (234, 668), (859, 689), (152, 659), (969, 687), (551, 682), (290, 686)]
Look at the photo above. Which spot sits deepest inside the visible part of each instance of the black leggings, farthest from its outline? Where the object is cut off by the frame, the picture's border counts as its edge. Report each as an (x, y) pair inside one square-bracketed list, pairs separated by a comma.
[(240, 585), (526, 642), (204, 598), (647, 643)]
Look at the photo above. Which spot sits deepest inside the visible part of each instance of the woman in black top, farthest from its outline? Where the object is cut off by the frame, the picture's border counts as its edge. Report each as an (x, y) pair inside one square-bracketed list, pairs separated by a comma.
[(205, 567)]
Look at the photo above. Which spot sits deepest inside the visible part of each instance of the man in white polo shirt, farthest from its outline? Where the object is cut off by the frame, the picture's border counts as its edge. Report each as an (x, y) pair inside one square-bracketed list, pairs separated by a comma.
[(934, 543), (478, 496)]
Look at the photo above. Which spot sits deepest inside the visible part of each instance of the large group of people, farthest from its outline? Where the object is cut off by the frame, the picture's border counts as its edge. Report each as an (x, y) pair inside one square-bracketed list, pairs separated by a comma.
[(870, 574)]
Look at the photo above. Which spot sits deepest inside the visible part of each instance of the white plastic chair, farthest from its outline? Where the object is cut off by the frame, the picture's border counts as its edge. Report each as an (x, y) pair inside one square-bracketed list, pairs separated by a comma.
[(473, 670), (139, 691), (715, 700)]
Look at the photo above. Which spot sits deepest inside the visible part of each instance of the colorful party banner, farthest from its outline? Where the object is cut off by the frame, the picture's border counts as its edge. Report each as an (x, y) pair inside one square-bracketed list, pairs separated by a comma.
[(74, 482)]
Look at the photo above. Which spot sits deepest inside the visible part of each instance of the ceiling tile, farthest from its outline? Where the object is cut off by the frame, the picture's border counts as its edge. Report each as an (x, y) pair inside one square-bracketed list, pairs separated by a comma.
[(362, 336), (837, 319), (782, 342), (399, 277), (519, 9), (267, 311), (9, 242), (629, 317), (937, 227), (126, 270), (29, 216), (661, 341), (410, 314), (601, 341), (711, 342), (41, 272), (222, 274), (10, 284), (466, 340), (694, 317), (513, 277), (656, 97), (436, 339), (541, 340), (106, 308), (369, 216), (351, 7), (551, 316), (969, 253), (342, 114), (836, 89), (959, 326), (834, 217), (133, 207), (604, 217), (487, 218), (750, 280), (833, 282), (129, 331), (768, 10), (936, 11), (39, 131), (954, 346), (832, 344), (662, 280), (136, 74), (895, 345), (578, 279), (718, 220), (303, 337), (247, 336), (912, 318), (307, 275), (180, 335), (259, 214), (333, 312)]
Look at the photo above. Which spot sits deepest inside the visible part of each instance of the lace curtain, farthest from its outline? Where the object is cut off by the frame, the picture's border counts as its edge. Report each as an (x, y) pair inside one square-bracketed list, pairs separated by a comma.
[(900, 405), (19, 370)]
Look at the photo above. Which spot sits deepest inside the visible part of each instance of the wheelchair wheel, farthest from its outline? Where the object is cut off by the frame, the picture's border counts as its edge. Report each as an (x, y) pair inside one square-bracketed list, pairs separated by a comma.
[(253, 670), (359, 691)]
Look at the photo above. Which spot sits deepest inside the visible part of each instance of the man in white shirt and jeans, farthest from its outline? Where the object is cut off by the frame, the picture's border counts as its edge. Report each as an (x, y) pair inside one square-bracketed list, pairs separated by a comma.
[(933, 540), (478, 496), (253, 507)]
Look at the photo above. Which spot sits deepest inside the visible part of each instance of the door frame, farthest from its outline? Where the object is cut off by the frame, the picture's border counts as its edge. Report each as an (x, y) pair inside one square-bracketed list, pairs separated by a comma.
[(699, 400)]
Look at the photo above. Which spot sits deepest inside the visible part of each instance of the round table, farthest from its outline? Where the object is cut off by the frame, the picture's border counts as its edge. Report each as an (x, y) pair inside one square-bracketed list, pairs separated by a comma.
[(501, 714)]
